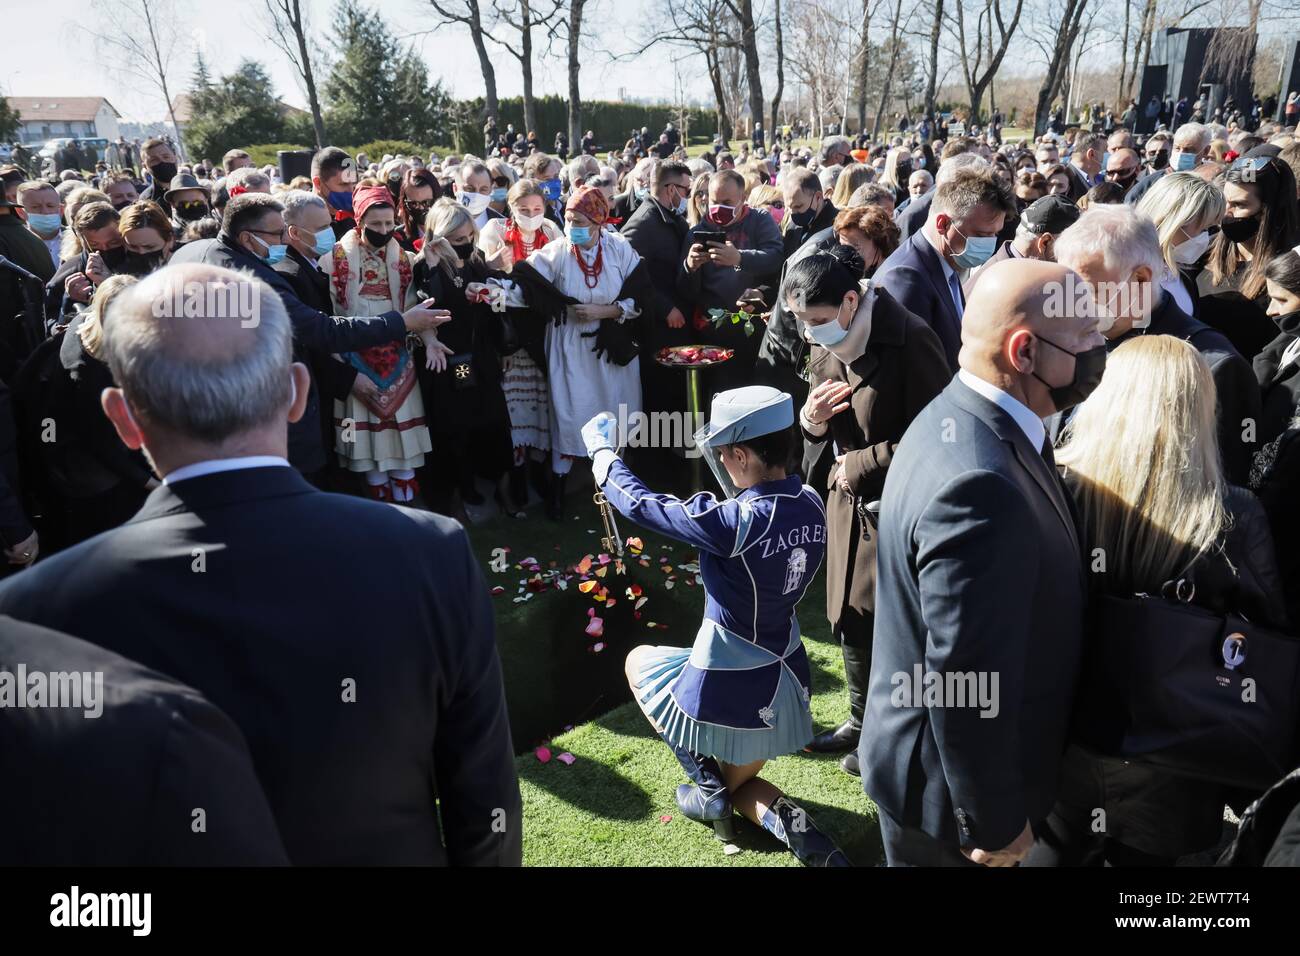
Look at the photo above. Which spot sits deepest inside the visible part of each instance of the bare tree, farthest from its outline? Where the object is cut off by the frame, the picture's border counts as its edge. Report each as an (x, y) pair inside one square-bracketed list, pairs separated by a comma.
[(573, 31), (698, 26), (932, 75), (1057, 46), (743, 10), (978, 70), (141, 39), (468, 14), (895, 46), (290, 32), (780, 71), (522, 16)]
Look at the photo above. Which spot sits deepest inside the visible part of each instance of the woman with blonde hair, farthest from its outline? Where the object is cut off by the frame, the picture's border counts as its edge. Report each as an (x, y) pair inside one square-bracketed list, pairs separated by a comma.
[(770, 200), (848, 181), (1184, 208), (697, 205), (99, 482), (1141, 459), (897, 171), (148, 236), (468, 416)]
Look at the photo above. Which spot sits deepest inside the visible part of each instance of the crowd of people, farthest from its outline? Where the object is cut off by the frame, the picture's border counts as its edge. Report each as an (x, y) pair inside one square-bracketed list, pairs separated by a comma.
[(1006, 389)]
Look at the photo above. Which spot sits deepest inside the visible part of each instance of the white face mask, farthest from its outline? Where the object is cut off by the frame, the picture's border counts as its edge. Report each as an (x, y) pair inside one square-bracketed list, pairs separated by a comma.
[(476, 203), (530, 223), (1186, 253)]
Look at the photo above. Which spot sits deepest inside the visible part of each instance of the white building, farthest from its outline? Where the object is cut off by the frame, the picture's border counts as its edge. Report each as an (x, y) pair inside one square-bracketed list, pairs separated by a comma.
[(50, 117)]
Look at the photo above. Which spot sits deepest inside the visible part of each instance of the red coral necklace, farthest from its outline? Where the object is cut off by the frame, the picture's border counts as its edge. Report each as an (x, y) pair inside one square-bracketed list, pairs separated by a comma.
[(591, 273)]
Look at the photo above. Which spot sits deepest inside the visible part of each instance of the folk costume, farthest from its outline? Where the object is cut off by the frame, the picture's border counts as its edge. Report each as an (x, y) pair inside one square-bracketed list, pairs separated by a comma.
[(385, 438)]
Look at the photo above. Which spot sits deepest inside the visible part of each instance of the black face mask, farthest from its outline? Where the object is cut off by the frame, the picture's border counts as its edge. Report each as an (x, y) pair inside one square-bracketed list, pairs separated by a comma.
[(119, 206), (192, 210), (1160, 160), (1088, 368), (1241, 230), (114, 258), (163, 172), (377, 239), (804, 219), (463, 250), (140, 264), (903, 170)]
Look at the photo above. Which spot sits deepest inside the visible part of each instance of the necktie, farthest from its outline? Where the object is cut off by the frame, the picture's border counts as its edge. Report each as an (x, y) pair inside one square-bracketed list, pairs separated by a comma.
[(955, 288)]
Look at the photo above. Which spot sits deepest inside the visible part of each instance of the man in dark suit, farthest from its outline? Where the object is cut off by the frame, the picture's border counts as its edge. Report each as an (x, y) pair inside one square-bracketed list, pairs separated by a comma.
[(118, 777), (369, 692), (1117, 251), (253, 225), (910, 220), (980, 588), (968, 211), (657, 231), (1084, 167)]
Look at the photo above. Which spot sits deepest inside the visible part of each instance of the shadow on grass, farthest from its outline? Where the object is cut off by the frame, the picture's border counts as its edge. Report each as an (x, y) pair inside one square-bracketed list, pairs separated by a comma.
[(592, 786)]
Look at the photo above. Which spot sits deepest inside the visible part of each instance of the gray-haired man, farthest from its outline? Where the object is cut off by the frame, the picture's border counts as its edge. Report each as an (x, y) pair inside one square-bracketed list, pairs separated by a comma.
[(378, 740)]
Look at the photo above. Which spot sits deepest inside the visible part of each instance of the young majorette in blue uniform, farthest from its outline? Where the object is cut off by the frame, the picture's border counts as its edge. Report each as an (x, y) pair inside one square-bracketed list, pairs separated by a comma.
[(739, 697)]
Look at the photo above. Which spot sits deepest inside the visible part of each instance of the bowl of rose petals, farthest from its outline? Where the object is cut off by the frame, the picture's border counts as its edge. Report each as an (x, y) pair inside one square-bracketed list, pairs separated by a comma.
[(693, 356)]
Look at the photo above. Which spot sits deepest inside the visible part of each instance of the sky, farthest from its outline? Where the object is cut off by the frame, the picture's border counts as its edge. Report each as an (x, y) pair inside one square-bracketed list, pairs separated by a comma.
[(229, 30)]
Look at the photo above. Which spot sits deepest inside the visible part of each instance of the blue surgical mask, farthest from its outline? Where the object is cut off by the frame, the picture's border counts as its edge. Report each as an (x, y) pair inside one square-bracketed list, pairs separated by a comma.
[(341, 200), (499, 194), (977, 252), (44, 222), (274, 253), (640, 193), (828, 333), (551, 187), (580, 235), (1184, 161), (681, 207), (325, 242)]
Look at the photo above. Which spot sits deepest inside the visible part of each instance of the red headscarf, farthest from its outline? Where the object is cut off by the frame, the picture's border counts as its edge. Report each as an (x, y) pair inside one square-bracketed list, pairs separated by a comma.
[(366, 196), (590, 202)]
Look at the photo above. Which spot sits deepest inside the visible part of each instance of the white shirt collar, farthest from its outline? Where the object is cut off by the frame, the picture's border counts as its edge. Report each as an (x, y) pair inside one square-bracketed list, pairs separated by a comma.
[(201, 468), (1020, 413)]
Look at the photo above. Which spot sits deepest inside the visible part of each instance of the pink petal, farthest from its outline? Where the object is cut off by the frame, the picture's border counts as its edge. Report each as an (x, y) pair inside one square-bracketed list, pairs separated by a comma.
[(566, 758), (543, 754)]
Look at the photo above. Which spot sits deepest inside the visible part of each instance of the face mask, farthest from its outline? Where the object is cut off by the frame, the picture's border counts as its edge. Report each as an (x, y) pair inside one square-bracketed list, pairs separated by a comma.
[(341, 201), (376, 239), (530, 223), (119, 206), (140, 264), (325, 241), (777, 214), (44, 223), (1186, 253), (828, 333), (163, 172), (903, 170), (499, 194), (274, 253), (640, 193), (476, 203), (804, 219), (1240, 230), (721, 215), (977, 251), (114, 258), (463, 250), (1159, 160), (1184, 161), (552, 188), (1088, 367), (580, 235), (193, 210), (918, 162)]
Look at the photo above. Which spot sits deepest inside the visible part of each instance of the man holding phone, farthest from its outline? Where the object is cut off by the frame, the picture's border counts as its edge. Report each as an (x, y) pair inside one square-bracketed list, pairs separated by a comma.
[(729, 261)]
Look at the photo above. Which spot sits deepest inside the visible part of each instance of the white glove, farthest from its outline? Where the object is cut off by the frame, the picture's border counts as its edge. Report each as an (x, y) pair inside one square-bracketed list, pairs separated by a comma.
[(600, 433)]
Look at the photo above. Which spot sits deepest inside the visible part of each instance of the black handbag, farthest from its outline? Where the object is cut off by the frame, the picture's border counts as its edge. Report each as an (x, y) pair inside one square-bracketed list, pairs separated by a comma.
[(1203, 695)]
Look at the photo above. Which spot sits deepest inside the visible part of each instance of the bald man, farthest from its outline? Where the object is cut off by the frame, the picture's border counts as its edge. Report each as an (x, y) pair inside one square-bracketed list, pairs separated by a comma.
[(980, 585), (383, 744)]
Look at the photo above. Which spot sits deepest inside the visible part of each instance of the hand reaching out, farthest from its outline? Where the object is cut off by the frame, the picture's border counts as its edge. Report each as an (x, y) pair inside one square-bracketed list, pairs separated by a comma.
[(435, 352)]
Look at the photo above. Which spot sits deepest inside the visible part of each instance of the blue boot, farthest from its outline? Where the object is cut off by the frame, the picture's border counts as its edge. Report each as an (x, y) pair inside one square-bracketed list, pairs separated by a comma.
[(792, 826), (708, 801)]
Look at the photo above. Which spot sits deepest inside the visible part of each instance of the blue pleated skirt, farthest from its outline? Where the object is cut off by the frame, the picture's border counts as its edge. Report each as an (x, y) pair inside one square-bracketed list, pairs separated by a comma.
[(781, 722)]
